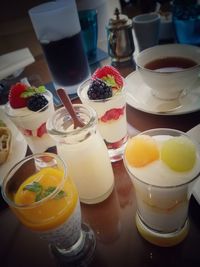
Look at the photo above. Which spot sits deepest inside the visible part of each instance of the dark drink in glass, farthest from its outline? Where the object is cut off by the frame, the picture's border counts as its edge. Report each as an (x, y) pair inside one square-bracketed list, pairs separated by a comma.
[(58, 30), (66, 60)]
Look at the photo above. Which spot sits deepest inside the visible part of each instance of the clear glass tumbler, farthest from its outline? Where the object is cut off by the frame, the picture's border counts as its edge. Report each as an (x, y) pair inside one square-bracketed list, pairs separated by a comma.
[(162, 192), (46, 201), (57, 27), (112, 121), (32, 124), (84, 152)]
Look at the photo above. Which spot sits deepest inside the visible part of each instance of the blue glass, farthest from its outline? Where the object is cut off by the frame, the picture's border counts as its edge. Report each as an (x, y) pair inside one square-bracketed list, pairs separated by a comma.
[(186, 19), (88, 21)]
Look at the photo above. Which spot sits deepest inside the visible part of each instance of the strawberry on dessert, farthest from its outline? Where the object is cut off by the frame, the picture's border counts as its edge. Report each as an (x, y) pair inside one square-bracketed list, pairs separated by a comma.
[(110, 76), (29, 108), (14, 97)]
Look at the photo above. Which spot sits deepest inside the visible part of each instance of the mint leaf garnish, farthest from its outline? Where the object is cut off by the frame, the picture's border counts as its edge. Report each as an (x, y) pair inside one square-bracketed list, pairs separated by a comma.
[(60, 195), (30, 91), (48, 191), (41, 89), (110, 80), (41, 193), (34, 187)]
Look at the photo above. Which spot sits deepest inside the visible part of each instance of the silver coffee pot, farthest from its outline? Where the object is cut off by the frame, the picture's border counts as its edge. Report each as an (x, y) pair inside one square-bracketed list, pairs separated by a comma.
[(120, 38)]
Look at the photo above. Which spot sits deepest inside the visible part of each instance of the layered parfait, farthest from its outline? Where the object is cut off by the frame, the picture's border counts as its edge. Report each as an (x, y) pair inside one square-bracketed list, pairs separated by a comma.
[(162, 167), (48, 203), (105, 93), (29, 108)]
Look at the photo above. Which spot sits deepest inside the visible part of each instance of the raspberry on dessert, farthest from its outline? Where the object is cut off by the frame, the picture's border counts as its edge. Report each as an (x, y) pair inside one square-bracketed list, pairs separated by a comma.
[(110, 75), (99, 90), (36, 102), (15, 95)]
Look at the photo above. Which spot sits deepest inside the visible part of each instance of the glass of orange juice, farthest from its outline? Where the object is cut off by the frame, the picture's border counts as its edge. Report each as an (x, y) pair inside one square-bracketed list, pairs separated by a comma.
[(46, 200)]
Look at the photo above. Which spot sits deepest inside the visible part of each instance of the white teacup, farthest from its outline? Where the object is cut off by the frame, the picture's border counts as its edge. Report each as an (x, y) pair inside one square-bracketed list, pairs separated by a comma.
[(169, 70)]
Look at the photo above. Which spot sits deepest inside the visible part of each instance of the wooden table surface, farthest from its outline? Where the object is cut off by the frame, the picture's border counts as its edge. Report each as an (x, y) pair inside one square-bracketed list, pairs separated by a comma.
[(113, 221)]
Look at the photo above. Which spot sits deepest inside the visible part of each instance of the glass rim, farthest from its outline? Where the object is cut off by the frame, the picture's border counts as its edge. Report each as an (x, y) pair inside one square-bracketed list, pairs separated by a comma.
[(162, 186), (38, 203), (7, 107), (86, 82), (52, 130)]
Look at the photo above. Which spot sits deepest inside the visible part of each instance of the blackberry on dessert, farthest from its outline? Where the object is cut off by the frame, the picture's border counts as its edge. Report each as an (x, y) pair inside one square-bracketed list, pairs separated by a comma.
[(37, 102), (98, 89)]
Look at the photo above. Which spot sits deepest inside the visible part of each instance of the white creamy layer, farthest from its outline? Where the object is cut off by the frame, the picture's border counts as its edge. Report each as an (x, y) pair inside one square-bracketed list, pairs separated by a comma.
[(113, 130), (89, 166), (158, 173), (27, 119)]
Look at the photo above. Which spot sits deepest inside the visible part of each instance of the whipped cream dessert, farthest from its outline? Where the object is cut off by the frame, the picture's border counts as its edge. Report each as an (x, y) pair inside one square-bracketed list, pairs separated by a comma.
[(161, 168), (29, 108), (105, 92)]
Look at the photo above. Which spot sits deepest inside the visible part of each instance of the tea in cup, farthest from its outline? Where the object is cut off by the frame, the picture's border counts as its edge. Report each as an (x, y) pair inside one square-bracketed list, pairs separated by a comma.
[(169, 70)]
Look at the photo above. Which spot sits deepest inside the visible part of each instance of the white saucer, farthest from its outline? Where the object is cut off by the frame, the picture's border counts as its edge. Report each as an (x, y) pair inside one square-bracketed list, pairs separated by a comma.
[(139, 96)]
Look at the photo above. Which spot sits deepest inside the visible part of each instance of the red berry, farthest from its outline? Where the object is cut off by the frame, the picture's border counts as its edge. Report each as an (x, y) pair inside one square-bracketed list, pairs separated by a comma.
[(41, 130), (109, 70), (112, 114), (27, 132), (15, 99)]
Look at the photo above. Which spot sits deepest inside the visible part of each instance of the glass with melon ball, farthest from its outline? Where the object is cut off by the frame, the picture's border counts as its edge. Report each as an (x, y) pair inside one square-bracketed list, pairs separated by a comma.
[(46, 201), (105, 92), (163, 164)]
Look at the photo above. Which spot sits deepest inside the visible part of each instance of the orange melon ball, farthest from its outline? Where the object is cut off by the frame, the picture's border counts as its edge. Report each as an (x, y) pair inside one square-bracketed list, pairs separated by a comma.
[(141, 150)]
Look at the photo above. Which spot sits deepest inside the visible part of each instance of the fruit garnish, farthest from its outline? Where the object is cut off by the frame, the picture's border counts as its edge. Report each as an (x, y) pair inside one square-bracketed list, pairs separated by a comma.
[(99, 90), (15, 99), (41, 130), (20, 93), (179, 154), (141, 150), (36, 102), (112, 114), (41, 192), (40, 186), (110, 76)]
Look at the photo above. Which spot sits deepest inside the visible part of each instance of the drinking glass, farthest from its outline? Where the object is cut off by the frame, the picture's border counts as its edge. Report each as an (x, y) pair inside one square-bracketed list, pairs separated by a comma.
[(46, 201), (32, 124), (146, 28), (186, 22), (58, 30), (112, 121), (163, 194), (84, 152), (88, 21)]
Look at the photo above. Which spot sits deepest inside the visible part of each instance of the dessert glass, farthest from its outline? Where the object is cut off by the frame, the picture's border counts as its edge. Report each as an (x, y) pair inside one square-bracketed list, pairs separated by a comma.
[(55, 217), (163, 195), (84, 152), (33, 124), (112, 121)]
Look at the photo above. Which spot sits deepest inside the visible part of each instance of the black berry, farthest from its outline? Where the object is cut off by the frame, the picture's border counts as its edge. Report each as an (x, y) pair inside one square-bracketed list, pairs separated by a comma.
[(37, 102), (98, 89)]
